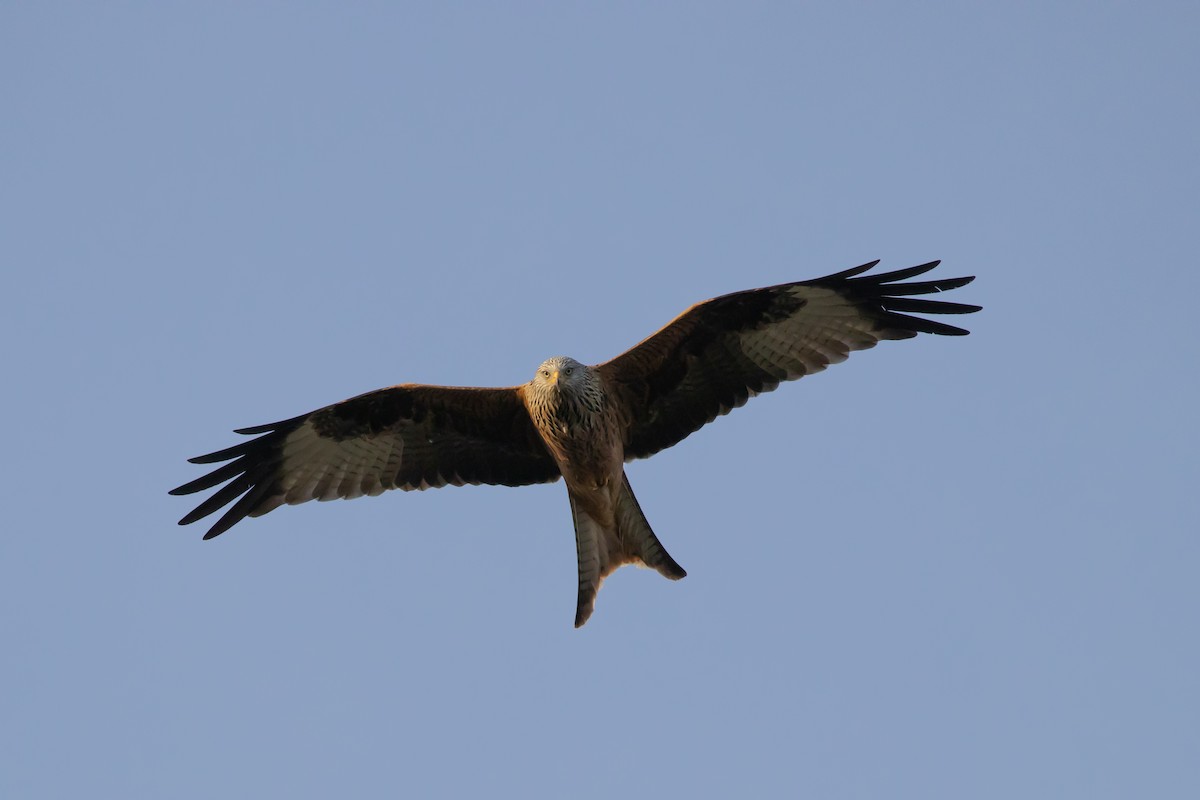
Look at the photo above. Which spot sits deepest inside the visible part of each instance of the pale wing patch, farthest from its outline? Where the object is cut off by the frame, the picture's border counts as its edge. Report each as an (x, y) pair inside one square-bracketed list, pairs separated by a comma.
[(825, 331), (319, 468)]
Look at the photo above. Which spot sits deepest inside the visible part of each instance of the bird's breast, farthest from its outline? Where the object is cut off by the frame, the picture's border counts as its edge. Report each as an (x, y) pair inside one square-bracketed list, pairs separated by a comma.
[(588, 452)]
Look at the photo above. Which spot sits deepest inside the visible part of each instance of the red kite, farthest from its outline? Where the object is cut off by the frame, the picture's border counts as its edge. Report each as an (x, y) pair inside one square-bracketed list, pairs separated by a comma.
[(573, 421)]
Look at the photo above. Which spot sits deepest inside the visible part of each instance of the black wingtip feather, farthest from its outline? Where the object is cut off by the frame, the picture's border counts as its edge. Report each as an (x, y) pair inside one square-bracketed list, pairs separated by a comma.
[(250, 474), (219, 475), (238, 511), (919, 305), (257, 429), (900, 274), (927, 287), (218, 499), (849, 273), (904, 326), (220, 455), (883, 295)]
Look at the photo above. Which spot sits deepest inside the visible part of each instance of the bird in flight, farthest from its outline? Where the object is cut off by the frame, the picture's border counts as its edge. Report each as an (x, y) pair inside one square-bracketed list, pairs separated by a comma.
[(577, 422)]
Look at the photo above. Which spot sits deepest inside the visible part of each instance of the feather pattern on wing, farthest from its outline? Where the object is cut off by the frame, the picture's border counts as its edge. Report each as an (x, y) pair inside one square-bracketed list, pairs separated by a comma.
[(718, 354), (404, 437)]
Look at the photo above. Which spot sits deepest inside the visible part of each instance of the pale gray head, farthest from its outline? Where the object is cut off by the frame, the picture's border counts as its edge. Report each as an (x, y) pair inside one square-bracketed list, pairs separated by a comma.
[(561, 373), (562, 383)]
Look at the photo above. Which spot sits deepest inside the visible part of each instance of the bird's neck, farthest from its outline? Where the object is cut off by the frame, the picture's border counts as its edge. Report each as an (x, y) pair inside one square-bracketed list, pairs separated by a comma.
[(565, 415)]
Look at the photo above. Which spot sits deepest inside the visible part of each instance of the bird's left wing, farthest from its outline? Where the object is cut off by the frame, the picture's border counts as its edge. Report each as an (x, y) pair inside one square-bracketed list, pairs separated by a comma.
[(717, 354), (403, 437)]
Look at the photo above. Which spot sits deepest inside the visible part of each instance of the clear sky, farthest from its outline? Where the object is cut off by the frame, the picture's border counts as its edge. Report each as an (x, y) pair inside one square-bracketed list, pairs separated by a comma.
[(948, 568)]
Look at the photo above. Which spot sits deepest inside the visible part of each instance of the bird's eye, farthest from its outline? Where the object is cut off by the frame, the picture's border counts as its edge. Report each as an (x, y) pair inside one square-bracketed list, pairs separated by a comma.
[(568, 370), (545, 373)]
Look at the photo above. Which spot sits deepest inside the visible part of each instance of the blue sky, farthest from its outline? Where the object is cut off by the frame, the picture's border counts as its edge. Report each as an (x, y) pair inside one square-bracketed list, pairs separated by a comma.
[(947, 568)]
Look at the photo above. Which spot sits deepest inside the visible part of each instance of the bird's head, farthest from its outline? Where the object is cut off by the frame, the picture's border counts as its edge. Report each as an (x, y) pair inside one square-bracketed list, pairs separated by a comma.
[(566, 391), (562, 374)]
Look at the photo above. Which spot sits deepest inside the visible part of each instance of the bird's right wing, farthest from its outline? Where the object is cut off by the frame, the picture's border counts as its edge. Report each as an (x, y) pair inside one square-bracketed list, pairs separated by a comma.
[(717, 354), (403, 437)]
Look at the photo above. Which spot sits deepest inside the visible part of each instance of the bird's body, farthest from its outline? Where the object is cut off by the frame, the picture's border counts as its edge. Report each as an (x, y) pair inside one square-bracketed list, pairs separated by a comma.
[(571, 411), (574, 421), (582, 427)]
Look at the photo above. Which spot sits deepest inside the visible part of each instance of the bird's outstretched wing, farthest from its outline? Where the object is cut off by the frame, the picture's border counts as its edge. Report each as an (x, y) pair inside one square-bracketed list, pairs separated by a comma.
[(717, 354), (403, 437)]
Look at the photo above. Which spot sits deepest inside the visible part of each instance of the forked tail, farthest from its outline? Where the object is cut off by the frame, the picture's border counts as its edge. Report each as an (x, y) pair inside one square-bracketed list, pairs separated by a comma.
[(600, 549)]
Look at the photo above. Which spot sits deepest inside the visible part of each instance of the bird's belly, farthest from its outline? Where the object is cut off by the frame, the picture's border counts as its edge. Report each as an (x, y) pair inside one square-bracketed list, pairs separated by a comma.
[(588, 461)]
